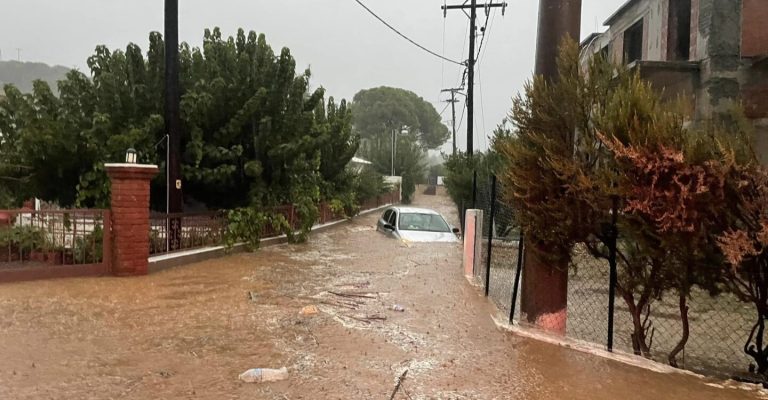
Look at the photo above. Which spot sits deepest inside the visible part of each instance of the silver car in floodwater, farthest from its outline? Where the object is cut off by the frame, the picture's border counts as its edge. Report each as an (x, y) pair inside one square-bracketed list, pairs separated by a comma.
[(416, 225)]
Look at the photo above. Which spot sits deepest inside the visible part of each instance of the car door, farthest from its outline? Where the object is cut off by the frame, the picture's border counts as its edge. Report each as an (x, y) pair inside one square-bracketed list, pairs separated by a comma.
[(383, 221), (392, 220)]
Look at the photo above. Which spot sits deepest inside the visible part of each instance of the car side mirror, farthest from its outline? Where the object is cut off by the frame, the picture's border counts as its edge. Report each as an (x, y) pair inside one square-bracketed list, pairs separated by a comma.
[(389, 227), (456, 230)]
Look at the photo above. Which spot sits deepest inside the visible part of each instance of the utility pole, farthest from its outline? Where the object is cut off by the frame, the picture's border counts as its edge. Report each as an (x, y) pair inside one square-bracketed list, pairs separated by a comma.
[(18, 54), (173, 121), (558, 19), (548, 309), (393, 151), (453, 102), (472, 6)]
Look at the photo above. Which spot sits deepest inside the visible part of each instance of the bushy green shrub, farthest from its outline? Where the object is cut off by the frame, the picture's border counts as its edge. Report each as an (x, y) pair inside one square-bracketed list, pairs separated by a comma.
[(22, 240), (90, 248), (369, 184)]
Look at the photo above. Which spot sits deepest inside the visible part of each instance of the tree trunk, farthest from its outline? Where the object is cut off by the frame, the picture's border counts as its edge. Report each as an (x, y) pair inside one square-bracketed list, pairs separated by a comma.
[(686, 331), (639, 345)]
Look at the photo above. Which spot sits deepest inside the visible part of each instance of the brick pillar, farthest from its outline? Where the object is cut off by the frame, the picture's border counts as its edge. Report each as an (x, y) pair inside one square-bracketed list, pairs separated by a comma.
[(130, 217)]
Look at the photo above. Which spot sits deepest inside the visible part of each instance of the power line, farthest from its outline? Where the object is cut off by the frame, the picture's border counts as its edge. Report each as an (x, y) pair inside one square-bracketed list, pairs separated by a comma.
[(486, 32), (482, 38), (444, 108), (406, 37), (482, 108), (442, 64), (473, 7), (480, 54)]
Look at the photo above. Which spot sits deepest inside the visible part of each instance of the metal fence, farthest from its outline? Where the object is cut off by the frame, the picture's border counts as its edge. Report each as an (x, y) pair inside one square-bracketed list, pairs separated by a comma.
[(198, 230), (207, 229), (719, 325), (53, 243)]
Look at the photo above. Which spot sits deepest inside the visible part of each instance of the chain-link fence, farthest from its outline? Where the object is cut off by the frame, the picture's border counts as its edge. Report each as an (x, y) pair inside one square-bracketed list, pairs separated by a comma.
[(647, 320), (498, 265)]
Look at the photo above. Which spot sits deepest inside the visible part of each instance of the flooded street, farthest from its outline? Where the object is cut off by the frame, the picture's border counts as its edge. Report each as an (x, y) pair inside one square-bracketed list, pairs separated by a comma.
[(186, 333)]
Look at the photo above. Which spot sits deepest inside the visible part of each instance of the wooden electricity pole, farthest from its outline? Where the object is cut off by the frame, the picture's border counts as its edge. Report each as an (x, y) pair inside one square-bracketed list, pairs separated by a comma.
[(472, 6), (453, 102), (173, 122)]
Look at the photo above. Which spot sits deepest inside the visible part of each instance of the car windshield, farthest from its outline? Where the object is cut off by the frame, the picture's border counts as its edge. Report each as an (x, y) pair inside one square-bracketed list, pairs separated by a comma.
[(423, 222)]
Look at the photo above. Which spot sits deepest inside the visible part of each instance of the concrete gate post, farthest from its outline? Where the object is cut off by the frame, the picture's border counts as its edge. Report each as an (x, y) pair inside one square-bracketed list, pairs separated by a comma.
[(130, 217), (473, 235)]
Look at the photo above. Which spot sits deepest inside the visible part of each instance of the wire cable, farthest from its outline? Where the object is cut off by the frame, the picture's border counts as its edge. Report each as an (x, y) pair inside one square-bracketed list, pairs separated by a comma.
[(481, 56), (406, 37), (461, 120), (484, 141), (482, 39), (444, 108), (442, 64)]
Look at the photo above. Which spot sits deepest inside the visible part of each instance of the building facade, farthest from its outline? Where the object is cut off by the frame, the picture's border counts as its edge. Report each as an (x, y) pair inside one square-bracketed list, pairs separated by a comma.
[(713, 53)]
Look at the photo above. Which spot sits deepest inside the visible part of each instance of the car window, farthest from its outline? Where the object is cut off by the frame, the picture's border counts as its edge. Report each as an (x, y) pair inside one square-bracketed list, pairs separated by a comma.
[(392, 218), (386, 215), (423, 222)]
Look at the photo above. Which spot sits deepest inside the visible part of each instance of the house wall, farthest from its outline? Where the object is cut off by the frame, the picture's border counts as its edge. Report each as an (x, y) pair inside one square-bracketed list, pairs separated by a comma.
[(653, 13), (677, 83), (719, 50), (695, 29), (728, 39), (754, 35)]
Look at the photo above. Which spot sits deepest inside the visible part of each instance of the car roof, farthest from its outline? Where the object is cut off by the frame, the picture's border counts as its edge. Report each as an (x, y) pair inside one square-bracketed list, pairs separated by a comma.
[(414, 210)]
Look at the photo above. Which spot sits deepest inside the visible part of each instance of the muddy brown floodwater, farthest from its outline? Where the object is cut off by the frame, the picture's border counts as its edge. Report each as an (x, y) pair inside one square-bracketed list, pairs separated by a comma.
[(188, 332)]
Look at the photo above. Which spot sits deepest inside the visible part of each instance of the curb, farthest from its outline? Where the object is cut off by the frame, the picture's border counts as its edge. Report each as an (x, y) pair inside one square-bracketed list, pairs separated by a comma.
[(170, 260)]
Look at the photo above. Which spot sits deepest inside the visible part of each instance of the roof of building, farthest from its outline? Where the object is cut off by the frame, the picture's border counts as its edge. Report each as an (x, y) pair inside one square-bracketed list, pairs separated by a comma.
[(588, 40), (358, 160), (616, 15)]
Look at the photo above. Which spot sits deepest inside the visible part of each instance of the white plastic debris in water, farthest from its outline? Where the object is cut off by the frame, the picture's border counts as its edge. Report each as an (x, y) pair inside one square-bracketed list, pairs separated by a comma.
[(260, 375)]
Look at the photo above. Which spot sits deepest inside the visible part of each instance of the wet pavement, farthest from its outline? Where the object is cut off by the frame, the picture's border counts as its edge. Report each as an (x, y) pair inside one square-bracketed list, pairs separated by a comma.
[(188, 332)]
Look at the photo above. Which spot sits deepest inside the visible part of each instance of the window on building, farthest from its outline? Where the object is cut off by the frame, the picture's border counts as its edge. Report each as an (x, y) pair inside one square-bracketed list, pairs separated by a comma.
[(605, 53), (633, 43), (679, 40)]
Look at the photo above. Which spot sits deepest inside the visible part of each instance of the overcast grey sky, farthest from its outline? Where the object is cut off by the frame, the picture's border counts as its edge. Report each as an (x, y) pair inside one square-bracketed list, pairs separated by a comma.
[(345, 47)]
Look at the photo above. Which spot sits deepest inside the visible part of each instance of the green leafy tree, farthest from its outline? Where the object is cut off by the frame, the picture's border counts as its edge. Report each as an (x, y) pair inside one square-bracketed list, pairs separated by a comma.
[(379, 111), (253, 131), (410, 161)]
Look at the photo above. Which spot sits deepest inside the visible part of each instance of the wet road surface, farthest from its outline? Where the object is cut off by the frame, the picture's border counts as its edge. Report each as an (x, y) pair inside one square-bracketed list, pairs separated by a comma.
[(187, 333)]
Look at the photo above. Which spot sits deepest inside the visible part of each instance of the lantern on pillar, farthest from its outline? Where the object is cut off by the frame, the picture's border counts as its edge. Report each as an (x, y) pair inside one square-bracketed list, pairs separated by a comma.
[(130, 156)]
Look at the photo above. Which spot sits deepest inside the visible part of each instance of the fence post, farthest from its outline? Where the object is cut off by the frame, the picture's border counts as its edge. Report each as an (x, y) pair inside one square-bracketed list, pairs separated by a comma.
[(324, 217), (490, 237), (612, 239), (106, 241), (474, 189), (471, 221), (516, 285)]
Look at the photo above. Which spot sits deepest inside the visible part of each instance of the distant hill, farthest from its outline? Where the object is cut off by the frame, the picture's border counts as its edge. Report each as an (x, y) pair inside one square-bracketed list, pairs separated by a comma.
[(22, 74)]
